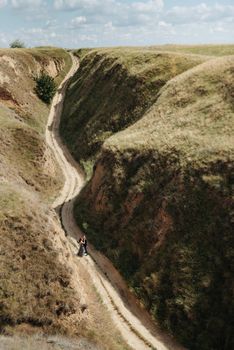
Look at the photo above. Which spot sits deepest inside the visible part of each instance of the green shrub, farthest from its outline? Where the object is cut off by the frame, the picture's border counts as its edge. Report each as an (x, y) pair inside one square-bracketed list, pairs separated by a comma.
[(17, 44), (45, 87)]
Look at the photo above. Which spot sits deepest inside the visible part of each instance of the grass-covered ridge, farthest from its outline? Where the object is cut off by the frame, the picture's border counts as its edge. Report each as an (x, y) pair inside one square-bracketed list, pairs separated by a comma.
[(159, 204), (23, 116), (34, 286), (208, 50), (192, 109), (112, 89), (42, 287)]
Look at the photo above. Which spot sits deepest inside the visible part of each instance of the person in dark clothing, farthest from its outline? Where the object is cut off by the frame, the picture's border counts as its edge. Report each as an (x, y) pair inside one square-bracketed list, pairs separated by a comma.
[(84, 242), (81, 248)]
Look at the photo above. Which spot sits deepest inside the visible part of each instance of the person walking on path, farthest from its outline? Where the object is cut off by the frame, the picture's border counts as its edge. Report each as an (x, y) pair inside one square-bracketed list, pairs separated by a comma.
[(85, 243), (82, 246)]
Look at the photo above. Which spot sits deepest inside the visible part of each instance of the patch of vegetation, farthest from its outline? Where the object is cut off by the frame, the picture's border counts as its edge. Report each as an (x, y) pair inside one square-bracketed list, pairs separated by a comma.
[(61, 58), (45, 87), (17, 44), (80, 53)]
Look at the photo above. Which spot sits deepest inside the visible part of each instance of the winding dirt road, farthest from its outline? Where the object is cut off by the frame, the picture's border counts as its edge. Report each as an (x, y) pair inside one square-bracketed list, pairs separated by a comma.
[(133, 322)]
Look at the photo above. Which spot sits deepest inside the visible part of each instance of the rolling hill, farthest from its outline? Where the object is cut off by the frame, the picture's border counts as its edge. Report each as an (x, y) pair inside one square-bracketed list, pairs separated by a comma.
[(158, 126), (43, 291)]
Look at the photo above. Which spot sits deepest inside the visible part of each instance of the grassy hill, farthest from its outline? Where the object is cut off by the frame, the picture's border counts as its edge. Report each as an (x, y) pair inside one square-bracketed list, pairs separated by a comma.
[(31, 287), (208, 50), (39, 288), (112, 89), (159, 201)]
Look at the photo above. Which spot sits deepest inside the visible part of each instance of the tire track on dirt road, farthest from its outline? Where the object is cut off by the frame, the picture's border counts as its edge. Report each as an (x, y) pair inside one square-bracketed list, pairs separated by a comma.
[(133, 322)]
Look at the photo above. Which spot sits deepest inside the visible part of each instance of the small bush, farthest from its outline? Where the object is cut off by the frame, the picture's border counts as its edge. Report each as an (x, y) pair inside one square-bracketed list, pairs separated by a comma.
[(17, 44), (45, 87)]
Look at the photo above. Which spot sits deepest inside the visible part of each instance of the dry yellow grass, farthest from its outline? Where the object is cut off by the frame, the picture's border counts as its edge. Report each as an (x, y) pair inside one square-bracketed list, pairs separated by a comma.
[(29, 292), (45, 343), (207, 50), (40, 287)]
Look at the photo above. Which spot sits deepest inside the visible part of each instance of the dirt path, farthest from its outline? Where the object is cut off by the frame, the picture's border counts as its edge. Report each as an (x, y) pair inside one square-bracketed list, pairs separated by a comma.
[(133, 322)]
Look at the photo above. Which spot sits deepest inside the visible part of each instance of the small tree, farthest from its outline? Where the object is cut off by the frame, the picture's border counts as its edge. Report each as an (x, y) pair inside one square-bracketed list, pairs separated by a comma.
[(17, 44), (45, 87)]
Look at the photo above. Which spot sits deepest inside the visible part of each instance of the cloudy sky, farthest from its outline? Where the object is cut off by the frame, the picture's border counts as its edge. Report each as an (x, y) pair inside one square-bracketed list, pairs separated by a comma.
[(89, 23)]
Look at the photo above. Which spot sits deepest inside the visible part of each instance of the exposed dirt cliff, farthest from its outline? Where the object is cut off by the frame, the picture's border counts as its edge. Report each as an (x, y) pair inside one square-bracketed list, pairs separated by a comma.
[(34, 284), (159, 201)]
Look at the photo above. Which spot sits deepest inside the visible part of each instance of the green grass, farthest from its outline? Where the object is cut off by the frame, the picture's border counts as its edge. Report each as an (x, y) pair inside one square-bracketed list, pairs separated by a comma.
[(80, 53), (201, 100), (112, 89), (159, 202)]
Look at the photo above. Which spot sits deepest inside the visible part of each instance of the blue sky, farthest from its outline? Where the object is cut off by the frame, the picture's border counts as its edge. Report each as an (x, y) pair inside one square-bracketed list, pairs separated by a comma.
[(92, 23)]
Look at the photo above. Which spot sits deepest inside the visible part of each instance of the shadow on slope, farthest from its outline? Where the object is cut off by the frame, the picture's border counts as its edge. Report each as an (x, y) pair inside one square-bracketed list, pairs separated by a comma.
[(112, 89), (159, 205)]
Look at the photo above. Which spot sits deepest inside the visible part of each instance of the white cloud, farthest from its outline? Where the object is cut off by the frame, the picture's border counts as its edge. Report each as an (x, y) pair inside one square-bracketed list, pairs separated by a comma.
[(3, 3), (163, 24), (199, 13), (119, 22), (21, 4), (219, 28), (51, 23), (40, 36), (141, 13), (35, 30), (89, 38), (148, 6), (75, 4), (109, 26), (139, 19), (110, 7), (78, 21)]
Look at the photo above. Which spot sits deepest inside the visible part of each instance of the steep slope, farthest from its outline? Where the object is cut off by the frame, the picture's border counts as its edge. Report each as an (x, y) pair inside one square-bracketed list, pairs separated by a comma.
[(23, 117), (112, 89), (35, 286), (43, 288), (159, 205)]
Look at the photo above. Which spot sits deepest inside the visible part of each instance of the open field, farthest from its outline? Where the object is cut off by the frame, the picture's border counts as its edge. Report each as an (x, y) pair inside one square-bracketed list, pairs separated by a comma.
[(208, 50)]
